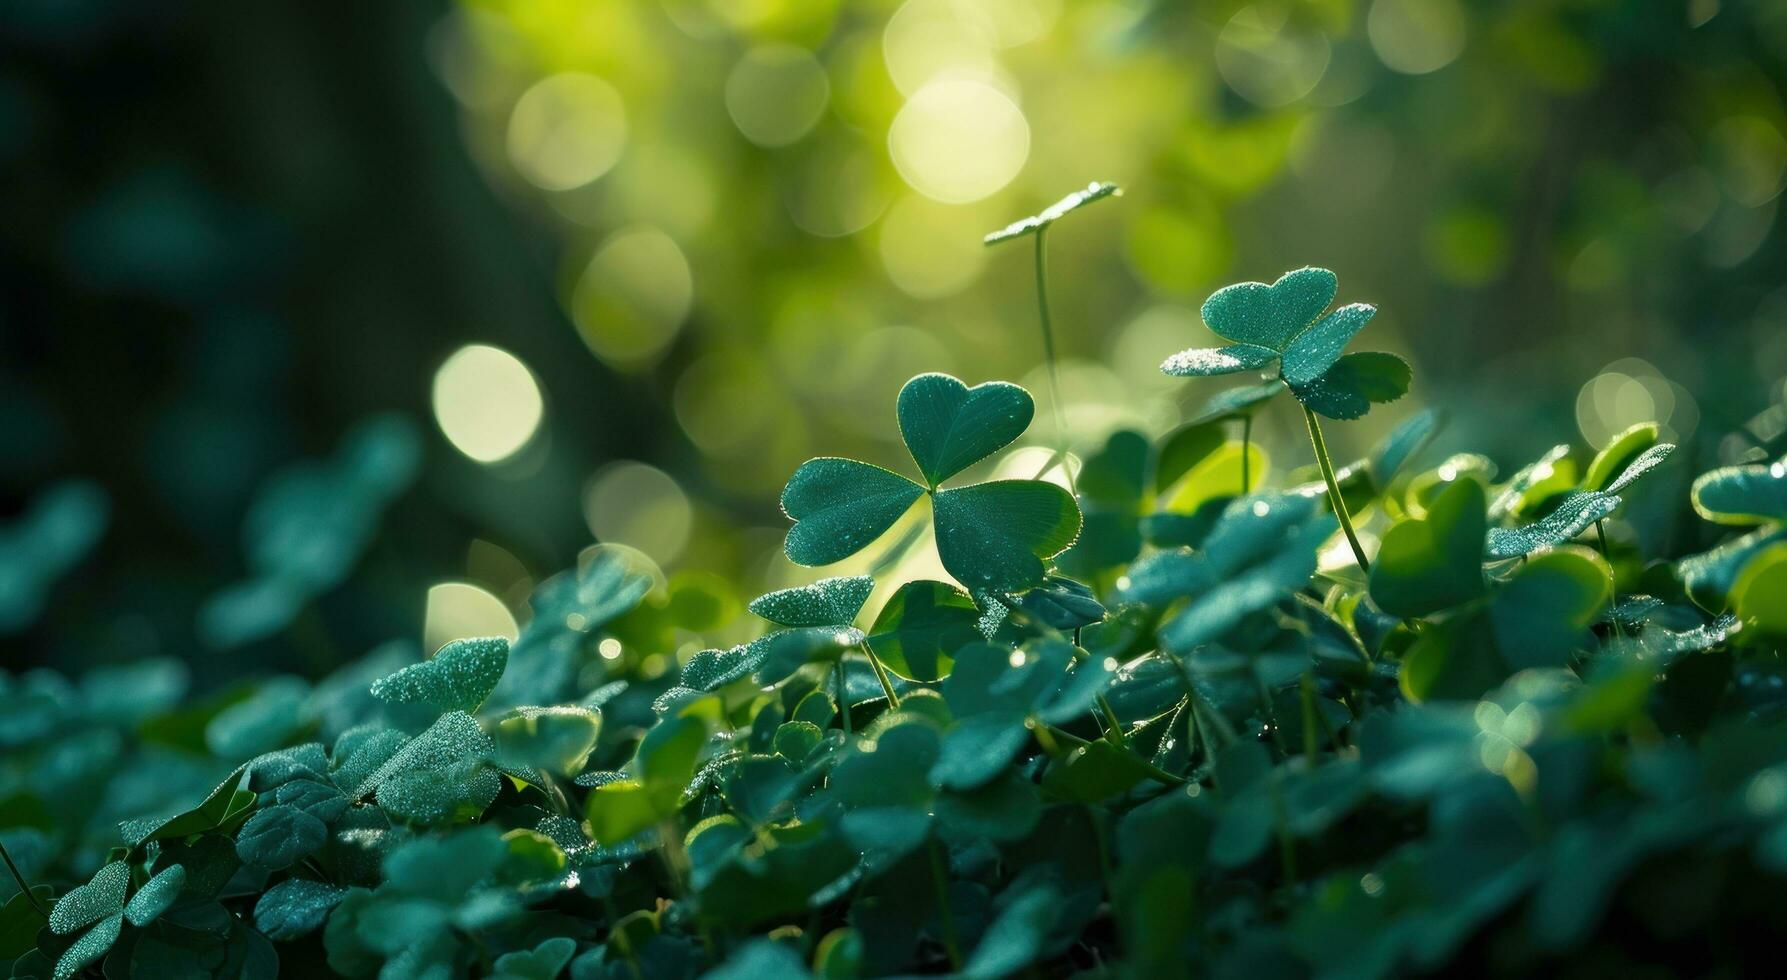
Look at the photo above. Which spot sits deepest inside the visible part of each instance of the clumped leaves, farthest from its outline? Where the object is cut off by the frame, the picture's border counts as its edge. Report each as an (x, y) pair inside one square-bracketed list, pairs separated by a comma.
[(1160, 727)]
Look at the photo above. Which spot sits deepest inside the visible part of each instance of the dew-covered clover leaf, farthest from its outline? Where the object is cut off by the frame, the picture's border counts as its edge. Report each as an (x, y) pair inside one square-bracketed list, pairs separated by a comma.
[(295, 907), (1435, 561), (1260, 550), (993, 537), (1285, 323), (155, 896), (1095, 191), (949, 426), (101, 896), (1742, 495), (827, 602), (1355, 383), (840, 505), (457, 678), (1574, 514)]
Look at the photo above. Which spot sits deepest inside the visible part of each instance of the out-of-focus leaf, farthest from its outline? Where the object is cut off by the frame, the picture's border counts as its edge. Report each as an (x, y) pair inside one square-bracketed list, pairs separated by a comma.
[(1098, 190), (1430, 563), (1742, 494)]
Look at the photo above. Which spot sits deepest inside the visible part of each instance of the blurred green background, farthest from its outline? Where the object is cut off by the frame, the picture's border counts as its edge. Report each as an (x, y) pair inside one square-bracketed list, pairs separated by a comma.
[(515, 277)]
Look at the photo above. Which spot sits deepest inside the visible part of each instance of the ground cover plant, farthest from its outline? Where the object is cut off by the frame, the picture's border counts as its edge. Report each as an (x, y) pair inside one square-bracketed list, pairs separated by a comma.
[(1386, 716)]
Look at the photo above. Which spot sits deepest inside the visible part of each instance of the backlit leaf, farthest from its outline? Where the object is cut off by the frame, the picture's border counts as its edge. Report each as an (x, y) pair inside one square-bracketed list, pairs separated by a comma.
[(839, 506), (995, 536), (827, 602), (949, 426), (1433, 562)]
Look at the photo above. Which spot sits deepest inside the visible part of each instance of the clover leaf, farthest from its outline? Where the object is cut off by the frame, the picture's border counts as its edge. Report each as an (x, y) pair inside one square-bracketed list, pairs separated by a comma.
[(1435, 561), (1740, 495), (457, 678), (1095, 191), (827, 602), (993, 537), (1285, 323)]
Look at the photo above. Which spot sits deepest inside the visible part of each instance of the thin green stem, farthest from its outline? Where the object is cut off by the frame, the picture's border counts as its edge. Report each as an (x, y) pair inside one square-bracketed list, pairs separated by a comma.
[(893, 700), (1306, 692), (1049, 733), (1613, 594), (1246, 439), (843, 697), (945, 917), (1114, 725), (1327, 465), (1048, 353), (23, 886)]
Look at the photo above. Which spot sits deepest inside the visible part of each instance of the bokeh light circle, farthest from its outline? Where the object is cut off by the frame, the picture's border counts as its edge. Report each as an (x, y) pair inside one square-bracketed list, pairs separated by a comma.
[(959, 140), (776, 93), (631, 299), (1416, 36), (1267, 60), (566, 131), (486, 402), (638, 505)]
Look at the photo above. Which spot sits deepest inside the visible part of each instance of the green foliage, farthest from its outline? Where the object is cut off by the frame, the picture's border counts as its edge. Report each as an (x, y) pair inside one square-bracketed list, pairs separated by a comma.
[(993, 537), (1187, 741)]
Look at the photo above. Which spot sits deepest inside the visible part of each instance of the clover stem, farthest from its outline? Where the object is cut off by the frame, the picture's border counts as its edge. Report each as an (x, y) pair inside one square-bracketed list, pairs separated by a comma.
[(24, 888), (1612, 594), (843, 697), (945, 918), (1154, 772), (1246, 438), (1114, 725), (1306, 692), (1048, 353), (1327, 466), (893, 700)]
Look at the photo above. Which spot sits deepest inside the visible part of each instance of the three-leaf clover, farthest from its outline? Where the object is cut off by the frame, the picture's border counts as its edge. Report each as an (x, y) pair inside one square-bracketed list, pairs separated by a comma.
[(993, 537), (1288, 322)]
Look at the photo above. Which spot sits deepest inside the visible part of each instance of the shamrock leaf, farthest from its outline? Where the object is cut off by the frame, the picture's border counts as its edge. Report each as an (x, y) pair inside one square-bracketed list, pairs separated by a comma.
[(156, 896), (827, 602), (101, 896), (457, 678), (1270, 316), (1742, 494), (1314, 351), (1433, 562), (949, 426), (1619, 453), (994, 537), (295, 907), (920, 629), (1036, 223), (1760, 592), (1537, 619), (840, 505), (1355, 383), (1572, 515), (662, 767)]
